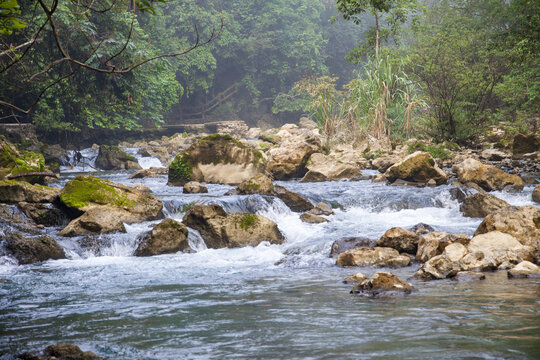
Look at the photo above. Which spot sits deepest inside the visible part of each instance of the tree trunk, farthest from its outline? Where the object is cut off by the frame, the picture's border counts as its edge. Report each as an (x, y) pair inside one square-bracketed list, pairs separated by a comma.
[(376, 35)]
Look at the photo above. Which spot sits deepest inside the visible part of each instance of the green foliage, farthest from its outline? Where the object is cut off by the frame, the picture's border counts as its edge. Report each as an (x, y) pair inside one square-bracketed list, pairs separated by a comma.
[(248, 220), (438, 152), (370, 155), (10, 17), (180, 170)]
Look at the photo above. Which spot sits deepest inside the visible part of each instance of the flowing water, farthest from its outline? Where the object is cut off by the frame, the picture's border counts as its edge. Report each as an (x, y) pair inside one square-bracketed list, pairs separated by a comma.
[(271, 301)]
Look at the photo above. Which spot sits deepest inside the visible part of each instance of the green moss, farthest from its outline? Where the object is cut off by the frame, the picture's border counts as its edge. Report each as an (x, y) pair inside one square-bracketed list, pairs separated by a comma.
[(83, 190), (259, 158), (370, 155), (248, 220), (274, 139), (19, 162), (180, 170), (416, 146), (438, 151), (118, 153)]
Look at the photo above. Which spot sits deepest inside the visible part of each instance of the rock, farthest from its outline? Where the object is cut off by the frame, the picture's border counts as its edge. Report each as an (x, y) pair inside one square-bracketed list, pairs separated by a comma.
[(159, 152), (253, 133), (400, 239), (294, 201), (312, 219), (421, 229), (417, 167), (486, 176), (382, 282), (259, 184), (377, 256), (219, 229), (289, 160), (194, 187), (146, 173), (524, 269), (306, 123), (383, 163), (168, 237), (44, 214), (434, 243), (356, 278), (13, 161), (457, 194), (12, 192), (379, 178), (32, 250), (234, 128), (349, 243), (522, 222), (216, 159), (55, 154), (322, 209), (481, 204), (445, 265), (62, 351), (469, 276), (493, 155), (114, 158), (536, 194), (327, 168), (106, 205), (524, 144)]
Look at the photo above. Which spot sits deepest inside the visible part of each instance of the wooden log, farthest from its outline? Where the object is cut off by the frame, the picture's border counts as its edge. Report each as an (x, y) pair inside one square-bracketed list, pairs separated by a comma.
[(39, 173)]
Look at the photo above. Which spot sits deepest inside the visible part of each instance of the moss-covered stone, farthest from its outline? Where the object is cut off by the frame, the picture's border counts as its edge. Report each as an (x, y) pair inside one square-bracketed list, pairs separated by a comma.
[(84, 190), (114, 158), (247, 221), (180, 170), (12, 192), (19, 162)]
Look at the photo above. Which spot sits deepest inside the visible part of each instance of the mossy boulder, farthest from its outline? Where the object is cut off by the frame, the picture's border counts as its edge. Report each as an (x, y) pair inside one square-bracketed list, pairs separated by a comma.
[(418, 167), (114, 158), (116, 203), (259, 184), (32, 250), (13, 161), (216, 159), (220, 229), (13, 192), (168, 237)]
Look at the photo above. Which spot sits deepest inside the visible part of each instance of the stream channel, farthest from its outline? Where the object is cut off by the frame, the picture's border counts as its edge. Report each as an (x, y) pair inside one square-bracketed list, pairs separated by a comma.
[(246, 304)]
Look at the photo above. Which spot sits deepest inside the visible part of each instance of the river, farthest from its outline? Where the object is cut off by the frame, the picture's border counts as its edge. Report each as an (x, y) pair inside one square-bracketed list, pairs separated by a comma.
[(248, 303)]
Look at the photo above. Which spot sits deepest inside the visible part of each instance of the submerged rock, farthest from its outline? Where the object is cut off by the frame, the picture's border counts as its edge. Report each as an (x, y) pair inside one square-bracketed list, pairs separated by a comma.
[(481, 204), (219, 229), (294, 201), (469, 276), (377, 256), (114, 158), (486, 176), (32, 250), (524, 269), (322, 209), (194, 187), (418, 167), (356, 278), (312, 218), (168, 237), (382, 283), (349, 243), (400, 239), (216, 159), (61, 351), (152, 172)]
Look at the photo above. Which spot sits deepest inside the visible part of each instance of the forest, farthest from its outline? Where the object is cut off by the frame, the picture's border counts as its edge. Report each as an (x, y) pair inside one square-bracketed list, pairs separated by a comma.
[(441, 69)]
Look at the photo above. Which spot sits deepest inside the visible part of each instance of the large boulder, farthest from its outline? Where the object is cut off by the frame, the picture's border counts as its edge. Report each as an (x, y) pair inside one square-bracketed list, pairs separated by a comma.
[(219, 229), (490, 251), (418, 167), (481, 204), (327, 167), (259, 184), (377, 256), (536, 194), (106, 205), (522, 222), (114, 158), (294, 201), (400, 239), (12, 192), (434, 243), (32, 250), (168, 237), (45, 214), (290, 159), (216, 159), (524, 144), (486, 176), (382, 283), (14, 162), (194, 187)]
